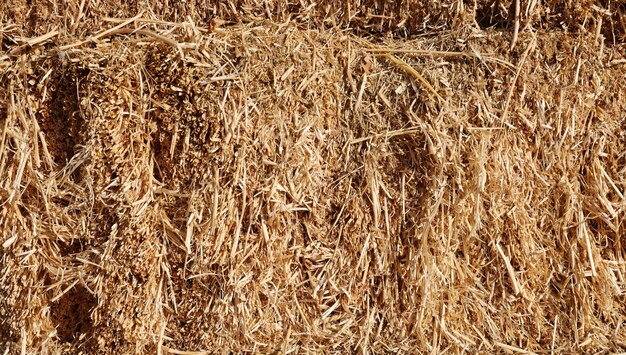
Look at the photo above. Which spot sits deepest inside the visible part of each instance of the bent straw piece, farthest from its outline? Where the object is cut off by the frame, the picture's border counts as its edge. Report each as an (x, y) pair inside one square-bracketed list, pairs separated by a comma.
[(402, 64), (35, 41), (409, 69), (102, 34), (43, 38)]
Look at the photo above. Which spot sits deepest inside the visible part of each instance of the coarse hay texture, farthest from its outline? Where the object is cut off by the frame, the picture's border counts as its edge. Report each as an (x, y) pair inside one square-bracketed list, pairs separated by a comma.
[(205, 178), (403, 17)]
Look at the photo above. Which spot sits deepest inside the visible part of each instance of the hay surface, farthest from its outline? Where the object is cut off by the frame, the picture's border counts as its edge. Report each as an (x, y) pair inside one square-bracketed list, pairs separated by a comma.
[(81, 17), (264, 185)]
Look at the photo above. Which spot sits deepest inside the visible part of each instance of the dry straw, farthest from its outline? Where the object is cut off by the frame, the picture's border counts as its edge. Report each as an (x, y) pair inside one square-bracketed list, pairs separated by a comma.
[(273, 178)]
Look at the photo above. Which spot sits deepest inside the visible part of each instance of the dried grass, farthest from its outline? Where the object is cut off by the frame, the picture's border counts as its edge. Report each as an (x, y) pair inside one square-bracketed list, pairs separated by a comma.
[(175, 185)]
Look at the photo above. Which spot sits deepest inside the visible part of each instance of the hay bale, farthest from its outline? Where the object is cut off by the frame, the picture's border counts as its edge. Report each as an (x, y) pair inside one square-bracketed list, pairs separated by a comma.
[(258, 186)]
